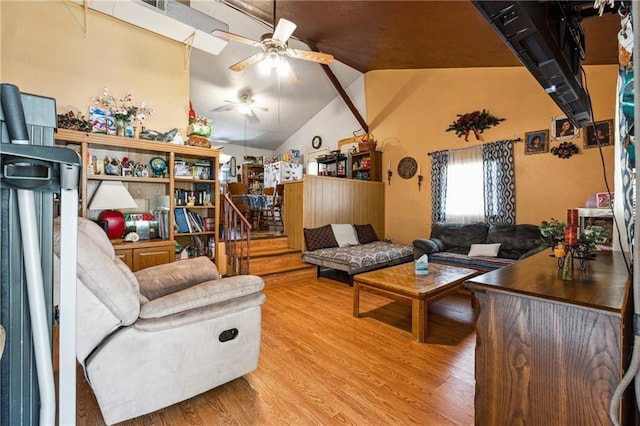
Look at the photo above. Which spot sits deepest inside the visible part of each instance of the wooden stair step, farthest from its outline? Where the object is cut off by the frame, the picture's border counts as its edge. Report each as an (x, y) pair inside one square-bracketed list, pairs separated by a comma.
[(267, 264), (271, 252), (271, 242)]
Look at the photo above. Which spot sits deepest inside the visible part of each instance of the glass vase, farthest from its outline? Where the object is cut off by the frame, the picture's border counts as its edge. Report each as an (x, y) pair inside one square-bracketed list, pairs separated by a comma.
[(121, 127)]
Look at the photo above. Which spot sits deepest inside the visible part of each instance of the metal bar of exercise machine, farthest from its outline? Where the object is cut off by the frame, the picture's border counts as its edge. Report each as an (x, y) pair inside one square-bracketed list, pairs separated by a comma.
[(27, 168)]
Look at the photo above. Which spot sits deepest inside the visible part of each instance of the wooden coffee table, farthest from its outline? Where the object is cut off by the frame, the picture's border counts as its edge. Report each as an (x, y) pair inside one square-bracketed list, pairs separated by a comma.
[(401, 283)]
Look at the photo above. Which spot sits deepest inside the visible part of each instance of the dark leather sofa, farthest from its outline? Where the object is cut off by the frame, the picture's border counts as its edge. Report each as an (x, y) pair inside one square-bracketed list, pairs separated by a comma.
[(450, 243)]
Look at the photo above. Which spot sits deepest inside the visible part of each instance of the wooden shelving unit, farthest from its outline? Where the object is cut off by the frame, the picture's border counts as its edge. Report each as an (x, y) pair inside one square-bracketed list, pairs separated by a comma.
[(155, 251), (366, 165), (253, 176)]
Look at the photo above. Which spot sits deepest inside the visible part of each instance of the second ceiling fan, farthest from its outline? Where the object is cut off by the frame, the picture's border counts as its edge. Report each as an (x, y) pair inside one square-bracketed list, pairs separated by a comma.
[(274, 48)]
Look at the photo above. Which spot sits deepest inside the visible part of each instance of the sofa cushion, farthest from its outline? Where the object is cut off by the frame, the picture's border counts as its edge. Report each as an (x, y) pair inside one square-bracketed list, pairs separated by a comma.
[(458, 237), (360, 258), (345, 234), (488, 250), (480, 263), (366, 233), (319, 238), (515, 240)]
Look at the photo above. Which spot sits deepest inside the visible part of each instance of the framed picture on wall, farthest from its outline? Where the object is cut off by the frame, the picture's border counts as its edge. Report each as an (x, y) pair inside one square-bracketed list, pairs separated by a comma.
[(603, 132), (562, 128), (536, 142)]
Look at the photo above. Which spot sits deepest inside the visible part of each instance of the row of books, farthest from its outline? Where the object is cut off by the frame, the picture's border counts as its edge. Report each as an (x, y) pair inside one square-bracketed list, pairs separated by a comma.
[(188, 221), (182, 197), (162, 217)]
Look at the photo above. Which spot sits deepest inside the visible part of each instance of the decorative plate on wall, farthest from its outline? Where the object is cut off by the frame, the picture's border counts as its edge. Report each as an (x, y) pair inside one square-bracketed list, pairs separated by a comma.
[(407, 167)]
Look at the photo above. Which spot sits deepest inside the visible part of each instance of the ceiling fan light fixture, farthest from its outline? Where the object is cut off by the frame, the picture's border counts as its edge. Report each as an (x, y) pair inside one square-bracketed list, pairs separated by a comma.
[(244, 109)]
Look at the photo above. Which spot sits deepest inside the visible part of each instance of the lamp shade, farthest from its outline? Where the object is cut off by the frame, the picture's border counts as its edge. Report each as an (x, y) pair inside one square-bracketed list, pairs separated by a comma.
[(112, 195)]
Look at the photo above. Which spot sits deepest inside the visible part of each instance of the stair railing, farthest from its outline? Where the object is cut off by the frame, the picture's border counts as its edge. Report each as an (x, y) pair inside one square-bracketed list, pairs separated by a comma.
[(237, 237)]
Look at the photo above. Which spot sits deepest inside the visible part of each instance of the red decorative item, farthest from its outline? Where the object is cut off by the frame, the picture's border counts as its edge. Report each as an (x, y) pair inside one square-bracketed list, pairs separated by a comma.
[(115, 223), (192, 113), (475, 122), (571, 236), (572, 217)]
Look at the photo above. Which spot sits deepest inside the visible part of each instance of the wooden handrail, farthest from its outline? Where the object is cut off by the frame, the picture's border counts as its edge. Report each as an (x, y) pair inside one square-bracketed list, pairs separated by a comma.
[(237, 237)]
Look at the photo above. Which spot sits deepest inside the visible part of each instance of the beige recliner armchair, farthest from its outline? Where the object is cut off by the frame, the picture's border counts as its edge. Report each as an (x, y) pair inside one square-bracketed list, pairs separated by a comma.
[(162, 335)]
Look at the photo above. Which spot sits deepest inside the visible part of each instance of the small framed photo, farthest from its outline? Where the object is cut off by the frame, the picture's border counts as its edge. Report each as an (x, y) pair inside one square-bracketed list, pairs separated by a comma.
[(536, 142), (562, 128), (603, 133)]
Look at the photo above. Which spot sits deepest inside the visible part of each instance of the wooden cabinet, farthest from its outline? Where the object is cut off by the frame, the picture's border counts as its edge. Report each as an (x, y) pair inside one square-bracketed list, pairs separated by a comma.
[(187, 189), (334, 166), (366, 165), (140, 255), (253, 176), (550, 351)]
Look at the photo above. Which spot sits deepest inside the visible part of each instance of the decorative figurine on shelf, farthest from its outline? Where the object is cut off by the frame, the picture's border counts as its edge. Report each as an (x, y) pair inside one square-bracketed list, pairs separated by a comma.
[(153, 135)]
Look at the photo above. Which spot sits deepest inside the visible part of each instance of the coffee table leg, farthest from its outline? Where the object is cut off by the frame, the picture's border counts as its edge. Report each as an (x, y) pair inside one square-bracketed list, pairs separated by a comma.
[(419, 320), (356, 299)]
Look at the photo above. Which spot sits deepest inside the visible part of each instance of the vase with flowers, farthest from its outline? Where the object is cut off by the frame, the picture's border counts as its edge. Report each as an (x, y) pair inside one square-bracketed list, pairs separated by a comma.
[(123, 111)]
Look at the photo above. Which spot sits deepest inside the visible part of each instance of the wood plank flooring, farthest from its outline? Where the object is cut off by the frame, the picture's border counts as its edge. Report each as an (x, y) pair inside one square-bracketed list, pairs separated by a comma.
[(321, 366)]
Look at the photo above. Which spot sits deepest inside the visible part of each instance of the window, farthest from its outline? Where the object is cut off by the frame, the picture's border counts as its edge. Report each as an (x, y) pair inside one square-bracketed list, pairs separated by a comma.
[(465, 201), (474, 184)]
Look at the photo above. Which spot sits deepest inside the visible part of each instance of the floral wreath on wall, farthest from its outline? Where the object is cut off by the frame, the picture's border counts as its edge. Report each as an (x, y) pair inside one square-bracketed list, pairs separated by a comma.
[(476, 122), (565, 150)]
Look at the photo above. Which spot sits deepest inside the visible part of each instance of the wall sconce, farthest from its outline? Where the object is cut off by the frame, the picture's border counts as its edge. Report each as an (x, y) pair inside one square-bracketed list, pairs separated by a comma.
[(389, 173), (419, 177)]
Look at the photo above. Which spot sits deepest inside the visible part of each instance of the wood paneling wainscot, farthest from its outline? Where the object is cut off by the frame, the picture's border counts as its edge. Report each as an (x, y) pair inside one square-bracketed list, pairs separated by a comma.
[(318, 200)]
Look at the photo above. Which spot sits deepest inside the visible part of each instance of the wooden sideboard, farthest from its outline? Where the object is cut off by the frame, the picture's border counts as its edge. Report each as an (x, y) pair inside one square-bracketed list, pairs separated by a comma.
[(550, 351)]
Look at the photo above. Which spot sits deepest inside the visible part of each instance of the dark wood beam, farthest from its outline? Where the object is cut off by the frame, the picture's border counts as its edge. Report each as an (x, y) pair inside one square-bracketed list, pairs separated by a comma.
[(343, 94)]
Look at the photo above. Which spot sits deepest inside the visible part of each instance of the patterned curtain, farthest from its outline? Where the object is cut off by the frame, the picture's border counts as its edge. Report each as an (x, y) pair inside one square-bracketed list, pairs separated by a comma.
[(628, 159), (439, 162), (499, 182)]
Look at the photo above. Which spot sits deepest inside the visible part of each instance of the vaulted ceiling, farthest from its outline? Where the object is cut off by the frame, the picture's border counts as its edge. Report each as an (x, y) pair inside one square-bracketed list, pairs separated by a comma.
[(362, 36)]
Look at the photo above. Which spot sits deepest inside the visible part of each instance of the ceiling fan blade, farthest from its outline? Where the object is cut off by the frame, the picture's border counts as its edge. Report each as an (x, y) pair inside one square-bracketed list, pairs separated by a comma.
[(265, 109), (293, 78), (308, 55), (223, 108), (252, 117), (246, 62), (235, 37), (283, 30)]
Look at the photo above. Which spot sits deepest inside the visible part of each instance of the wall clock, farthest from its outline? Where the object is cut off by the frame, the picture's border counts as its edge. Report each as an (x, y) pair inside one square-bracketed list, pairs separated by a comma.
[(316, 142), (407, 167)]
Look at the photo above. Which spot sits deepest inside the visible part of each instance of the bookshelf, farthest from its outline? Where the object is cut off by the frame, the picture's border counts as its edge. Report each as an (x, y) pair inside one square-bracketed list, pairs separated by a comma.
[(189, 184)]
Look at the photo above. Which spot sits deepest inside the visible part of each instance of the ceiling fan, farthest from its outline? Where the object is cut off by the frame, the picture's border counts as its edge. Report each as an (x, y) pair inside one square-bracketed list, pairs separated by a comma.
[(245, 106), (274, 48)]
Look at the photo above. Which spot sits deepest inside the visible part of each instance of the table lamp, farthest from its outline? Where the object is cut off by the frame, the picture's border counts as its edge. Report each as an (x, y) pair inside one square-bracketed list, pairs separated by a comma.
[(112, 195)]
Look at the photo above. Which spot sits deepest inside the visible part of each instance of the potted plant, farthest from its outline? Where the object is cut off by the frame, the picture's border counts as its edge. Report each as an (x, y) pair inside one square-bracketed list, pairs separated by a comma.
[(552, 232)]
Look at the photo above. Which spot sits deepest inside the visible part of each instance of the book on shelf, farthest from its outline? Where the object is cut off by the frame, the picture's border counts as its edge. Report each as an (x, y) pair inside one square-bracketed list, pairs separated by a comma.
[(180, 215)]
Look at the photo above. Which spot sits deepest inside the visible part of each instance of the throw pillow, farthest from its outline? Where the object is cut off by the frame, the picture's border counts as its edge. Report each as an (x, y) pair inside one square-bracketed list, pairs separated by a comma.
[(366, 233), (487, 250), (345, 235), (317, 238)]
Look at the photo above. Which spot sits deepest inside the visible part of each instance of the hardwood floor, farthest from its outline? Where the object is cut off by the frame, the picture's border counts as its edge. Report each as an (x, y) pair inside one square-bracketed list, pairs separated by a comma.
[(320, 365)]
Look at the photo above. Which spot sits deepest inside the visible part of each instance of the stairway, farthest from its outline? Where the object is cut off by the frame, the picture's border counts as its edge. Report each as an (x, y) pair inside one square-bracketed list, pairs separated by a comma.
[(277, 263)]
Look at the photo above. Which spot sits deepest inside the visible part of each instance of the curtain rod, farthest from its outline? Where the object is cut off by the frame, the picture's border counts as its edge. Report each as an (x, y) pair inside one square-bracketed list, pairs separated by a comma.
[(459, 149)]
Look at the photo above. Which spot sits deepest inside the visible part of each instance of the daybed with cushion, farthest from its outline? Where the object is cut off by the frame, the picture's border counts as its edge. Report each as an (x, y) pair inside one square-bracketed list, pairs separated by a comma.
[(352, 249), (478, 245)]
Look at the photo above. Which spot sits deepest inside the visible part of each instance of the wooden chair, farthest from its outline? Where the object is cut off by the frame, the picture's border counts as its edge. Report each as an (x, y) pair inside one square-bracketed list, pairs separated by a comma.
[(276, 207), (238, 191)]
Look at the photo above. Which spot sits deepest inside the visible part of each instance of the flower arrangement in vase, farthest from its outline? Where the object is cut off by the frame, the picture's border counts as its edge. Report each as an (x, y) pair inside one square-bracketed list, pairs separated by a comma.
[(123, 110)]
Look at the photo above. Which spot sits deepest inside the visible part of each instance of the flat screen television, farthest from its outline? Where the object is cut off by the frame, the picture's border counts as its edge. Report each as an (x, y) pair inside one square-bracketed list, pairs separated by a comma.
[(547, 37)]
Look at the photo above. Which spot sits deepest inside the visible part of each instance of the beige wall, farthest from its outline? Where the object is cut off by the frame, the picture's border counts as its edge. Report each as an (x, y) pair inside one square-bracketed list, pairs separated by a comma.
[(409, 110), (45, 51)]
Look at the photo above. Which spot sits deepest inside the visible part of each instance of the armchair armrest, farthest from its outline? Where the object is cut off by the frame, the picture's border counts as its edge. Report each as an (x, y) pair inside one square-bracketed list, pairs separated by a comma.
[(425, 246), (207, 293), (158, 281)]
